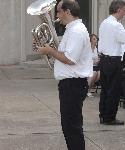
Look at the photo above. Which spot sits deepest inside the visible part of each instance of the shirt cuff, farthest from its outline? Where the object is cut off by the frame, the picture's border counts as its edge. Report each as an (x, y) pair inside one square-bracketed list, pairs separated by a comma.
[(70, 58)]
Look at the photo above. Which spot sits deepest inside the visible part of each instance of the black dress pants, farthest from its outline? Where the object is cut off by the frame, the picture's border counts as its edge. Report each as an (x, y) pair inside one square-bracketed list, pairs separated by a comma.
[(110, 79), (72, 92)]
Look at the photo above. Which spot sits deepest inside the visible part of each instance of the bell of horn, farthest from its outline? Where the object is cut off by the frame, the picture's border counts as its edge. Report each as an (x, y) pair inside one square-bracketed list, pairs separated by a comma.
[(44, 33)]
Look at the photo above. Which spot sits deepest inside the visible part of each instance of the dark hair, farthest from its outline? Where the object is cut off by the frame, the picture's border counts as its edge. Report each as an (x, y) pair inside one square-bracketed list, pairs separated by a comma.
[(115, 5), (91, 36), (72, 5)]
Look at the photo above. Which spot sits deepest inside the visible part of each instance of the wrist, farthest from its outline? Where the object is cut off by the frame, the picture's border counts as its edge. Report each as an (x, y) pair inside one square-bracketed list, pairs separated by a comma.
[(52, 51)]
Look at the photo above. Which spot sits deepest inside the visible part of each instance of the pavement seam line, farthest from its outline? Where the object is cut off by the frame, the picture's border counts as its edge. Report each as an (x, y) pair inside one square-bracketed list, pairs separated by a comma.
[(46, 105), (91, 141)]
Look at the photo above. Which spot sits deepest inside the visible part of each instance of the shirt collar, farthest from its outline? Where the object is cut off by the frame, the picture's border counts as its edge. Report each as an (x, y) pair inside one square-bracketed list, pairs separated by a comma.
[(113, 18), (69, 25)]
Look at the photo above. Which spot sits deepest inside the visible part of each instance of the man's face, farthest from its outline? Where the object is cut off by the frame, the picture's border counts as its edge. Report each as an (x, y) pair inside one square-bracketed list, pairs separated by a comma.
[(121, 13), (61, 14)]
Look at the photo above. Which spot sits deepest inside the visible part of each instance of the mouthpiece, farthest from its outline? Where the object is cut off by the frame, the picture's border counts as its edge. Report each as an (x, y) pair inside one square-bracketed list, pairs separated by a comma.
[(57, 20)]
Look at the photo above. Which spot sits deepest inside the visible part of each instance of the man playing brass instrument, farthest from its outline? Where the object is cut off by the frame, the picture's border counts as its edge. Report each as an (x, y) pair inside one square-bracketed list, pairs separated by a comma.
[(73, 64)]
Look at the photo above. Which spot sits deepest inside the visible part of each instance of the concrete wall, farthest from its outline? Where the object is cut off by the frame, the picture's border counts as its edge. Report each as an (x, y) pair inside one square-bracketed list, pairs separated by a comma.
[(10, 27), (15, 25)]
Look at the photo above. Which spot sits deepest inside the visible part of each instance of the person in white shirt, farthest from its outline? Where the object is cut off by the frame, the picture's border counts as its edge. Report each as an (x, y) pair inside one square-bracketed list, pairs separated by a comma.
[(96, 69), (73, 65), (111, 38)]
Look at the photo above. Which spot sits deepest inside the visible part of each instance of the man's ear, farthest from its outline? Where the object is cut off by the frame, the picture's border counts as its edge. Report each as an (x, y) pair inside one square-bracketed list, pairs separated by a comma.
[(68, 12), (118, 10)]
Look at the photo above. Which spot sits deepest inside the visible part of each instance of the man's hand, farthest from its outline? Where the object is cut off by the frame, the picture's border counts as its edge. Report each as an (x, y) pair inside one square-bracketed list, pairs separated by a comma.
[(44, 50)]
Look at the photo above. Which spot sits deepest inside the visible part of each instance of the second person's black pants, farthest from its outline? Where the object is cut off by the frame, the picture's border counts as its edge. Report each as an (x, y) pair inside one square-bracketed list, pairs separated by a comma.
[(110, 78)]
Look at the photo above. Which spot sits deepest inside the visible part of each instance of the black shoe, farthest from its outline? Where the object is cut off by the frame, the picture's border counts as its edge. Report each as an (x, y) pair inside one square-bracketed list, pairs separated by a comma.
[(113, 122)]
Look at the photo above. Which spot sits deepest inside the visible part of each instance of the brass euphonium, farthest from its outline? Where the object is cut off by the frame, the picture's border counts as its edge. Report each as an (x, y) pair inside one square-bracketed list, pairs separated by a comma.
[(45, 32)]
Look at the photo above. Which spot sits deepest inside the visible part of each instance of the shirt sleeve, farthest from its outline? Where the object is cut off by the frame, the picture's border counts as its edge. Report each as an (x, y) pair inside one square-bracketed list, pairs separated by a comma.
[(74, 46), (120, 33)]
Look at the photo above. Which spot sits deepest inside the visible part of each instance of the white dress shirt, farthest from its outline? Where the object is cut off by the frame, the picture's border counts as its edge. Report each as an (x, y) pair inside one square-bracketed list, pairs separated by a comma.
[(76, 46), (111, 37)]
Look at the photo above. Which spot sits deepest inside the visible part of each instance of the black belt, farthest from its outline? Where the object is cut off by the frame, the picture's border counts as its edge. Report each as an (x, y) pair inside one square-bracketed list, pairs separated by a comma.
[(107, 56), (74, 79)]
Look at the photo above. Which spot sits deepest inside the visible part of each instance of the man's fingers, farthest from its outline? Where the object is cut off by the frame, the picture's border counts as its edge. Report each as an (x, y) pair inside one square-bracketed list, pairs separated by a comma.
[(46, 45)]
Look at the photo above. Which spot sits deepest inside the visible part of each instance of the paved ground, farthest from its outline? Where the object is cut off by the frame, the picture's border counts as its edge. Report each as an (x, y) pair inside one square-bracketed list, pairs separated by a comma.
[(29, 113)]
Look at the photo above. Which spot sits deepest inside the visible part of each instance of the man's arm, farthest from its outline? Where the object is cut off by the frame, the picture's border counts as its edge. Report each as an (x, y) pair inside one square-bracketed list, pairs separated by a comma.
[(47, 50)]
